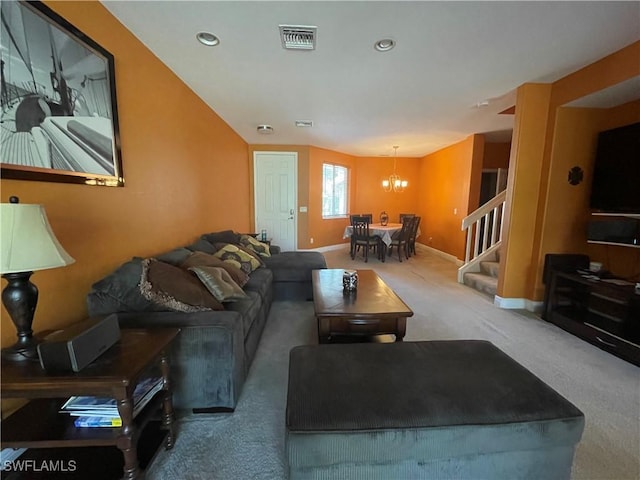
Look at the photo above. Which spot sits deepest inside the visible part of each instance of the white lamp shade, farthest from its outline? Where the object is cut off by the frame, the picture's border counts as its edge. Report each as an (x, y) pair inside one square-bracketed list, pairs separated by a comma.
[(27, 242)]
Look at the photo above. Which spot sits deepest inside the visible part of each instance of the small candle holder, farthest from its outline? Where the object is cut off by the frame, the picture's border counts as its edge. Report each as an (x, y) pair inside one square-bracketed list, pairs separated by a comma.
[(350, 280)]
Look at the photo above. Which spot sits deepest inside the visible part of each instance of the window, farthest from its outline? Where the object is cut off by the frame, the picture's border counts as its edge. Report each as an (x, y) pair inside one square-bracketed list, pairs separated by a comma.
[(335, 183)]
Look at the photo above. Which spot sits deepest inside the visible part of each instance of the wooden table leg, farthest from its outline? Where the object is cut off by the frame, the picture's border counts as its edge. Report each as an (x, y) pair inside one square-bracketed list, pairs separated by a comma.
[(324, 329), (401, 328), (126, 442), (167, 402)]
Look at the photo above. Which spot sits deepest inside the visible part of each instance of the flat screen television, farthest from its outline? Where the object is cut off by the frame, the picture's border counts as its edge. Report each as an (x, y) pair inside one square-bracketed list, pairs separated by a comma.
[(616, 174)]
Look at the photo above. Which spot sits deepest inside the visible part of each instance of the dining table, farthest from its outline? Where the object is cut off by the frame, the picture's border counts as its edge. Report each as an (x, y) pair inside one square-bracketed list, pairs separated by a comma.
[(385, 232)]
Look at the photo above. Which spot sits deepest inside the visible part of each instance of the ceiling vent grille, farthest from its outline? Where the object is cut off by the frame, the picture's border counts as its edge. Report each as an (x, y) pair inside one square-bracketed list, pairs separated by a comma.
[(297, 37)]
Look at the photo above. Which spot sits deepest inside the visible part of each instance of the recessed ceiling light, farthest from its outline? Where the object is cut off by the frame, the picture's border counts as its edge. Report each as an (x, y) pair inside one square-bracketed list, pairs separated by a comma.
[(208, 39), (384, 45), (265, 129)]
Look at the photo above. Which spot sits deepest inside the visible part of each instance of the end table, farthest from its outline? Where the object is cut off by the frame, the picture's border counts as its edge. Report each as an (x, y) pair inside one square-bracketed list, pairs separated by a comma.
[(114, 374)]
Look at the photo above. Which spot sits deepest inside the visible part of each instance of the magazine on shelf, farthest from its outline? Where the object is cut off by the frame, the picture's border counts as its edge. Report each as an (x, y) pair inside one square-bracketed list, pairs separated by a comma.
[(100, 411), (98, 422)]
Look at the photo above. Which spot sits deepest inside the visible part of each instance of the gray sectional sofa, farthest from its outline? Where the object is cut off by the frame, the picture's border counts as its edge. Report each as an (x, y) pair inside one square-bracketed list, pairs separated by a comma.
[(211, 357)]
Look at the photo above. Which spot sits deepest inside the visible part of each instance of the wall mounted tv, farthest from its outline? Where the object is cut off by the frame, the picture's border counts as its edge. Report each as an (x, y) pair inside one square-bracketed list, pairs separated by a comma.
[(616, 174)]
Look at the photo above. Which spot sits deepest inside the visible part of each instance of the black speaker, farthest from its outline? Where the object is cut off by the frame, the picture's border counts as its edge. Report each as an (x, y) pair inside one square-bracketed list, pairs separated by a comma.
[(623, 230), (79, 344)]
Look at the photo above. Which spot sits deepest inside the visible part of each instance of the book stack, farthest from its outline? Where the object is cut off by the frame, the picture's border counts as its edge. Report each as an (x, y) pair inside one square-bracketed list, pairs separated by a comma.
[(103, 412)]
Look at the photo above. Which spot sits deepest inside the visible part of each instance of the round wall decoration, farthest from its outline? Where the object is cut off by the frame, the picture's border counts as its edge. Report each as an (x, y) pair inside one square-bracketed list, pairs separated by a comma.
[(576, 174)]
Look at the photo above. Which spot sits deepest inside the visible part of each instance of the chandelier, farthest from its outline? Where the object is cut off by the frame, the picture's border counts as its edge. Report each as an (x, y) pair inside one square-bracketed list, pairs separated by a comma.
[(394, 183)]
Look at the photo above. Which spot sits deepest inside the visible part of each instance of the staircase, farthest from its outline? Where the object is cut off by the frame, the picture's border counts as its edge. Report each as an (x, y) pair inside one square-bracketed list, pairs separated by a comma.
[(484, 234), (486, 280)]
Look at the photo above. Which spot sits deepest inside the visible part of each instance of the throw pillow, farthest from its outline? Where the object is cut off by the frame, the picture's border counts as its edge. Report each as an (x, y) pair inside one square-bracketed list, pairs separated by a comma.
[(225, 236), (201, 245), (201, 259), (258, 258), (253, 244), (238, 257), (175, 288), (253, 254), (219, 283)]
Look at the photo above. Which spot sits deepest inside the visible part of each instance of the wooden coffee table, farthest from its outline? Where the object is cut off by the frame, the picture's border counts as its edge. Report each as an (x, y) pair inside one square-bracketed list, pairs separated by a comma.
[(373, 309)]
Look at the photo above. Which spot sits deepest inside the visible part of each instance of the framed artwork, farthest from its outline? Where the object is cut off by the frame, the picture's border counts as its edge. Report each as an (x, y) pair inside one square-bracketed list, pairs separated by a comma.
[(59, 118)]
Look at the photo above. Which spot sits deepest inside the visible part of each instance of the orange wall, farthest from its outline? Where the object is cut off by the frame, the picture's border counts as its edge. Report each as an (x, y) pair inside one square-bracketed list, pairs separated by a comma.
[(532, 178), (496, 155), (330, 231), (449, 190), (182, 166), (366, 194), (371, 197), (523, 188)]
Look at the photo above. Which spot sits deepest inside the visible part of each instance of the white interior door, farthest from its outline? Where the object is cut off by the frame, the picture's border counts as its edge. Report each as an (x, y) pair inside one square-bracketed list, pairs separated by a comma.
[(275, 181)]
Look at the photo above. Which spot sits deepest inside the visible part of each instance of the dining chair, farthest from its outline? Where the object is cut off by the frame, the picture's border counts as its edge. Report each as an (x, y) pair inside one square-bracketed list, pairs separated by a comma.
[(400, 239), (374, 248), (402, 215), (413, 235), (360, 236)]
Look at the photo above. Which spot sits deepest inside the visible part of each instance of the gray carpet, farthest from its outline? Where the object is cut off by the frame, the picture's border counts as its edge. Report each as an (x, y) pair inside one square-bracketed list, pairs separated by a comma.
[(249, 444)]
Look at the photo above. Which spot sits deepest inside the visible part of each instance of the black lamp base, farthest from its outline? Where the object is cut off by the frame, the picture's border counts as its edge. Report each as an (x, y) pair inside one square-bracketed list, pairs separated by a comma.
[(21, 353), (20, 297)]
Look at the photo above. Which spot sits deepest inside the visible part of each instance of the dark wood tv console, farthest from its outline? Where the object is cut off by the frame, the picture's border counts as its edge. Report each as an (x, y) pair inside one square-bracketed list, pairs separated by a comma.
[(604, 312)]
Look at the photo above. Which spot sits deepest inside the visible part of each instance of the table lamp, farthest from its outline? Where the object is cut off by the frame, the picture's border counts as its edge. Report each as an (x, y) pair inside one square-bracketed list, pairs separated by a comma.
[(27, 244)]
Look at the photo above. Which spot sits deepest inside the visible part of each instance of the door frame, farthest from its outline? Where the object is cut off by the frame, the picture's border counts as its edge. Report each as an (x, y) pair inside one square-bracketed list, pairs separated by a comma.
[(294, 154)]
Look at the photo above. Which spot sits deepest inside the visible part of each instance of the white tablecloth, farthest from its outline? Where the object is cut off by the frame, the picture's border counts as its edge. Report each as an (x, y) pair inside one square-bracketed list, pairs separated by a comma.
[(385, 232)]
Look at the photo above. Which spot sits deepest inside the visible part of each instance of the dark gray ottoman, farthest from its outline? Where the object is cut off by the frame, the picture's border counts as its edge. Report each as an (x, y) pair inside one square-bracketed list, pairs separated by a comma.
[(440, 409), (292, 274)]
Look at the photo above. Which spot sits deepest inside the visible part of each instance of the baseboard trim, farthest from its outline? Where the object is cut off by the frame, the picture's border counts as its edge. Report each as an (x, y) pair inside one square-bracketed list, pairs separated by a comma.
[(518, 304), (328, 248), (440, 253)]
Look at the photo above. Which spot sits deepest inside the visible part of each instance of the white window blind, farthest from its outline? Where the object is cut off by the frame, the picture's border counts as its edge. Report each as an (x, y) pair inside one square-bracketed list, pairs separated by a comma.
[(335, 186)]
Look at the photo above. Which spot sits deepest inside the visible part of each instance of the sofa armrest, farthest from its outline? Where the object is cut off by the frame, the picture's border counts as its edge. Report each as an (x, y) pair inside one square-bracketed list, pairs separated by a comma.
[(207, 359), (274, 249), (225, 318)]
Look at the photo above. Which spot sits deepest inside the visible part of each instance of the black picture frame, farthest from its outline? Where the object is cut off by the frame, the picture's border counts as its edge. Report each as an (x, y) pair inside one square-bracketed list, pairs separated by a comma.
[(58, 110)]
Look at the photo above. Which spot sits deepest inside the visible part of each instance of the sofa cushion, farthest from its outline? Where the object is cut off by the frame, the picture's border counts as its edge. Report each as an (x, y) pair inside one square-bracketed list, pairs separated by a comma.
[(120, 292), (254, 245), (225, 236), (294, 266), (219, 283), (260, 281), (175, 256), (238, 257), (175, 288), (201, 245), (201, 259)]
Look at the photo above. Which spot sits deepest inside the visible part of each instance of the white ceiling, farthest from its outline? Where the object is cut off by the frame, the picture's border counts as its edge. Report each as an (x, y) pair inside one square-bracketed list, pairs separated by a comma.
[(422, 95)]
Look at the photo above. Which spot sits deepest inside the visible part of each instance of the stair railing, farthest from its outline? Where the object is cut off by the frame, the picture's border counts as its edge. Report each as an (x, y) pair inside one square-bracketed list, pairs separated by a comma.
[(484, 229)]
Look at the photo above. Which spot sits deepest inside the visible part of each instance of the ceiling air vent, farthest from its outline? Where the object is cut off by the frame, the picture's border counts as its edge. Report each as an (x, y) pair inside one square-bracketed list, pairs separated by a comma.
[(297, 37)]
